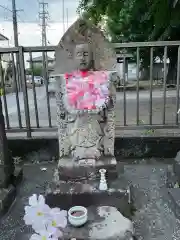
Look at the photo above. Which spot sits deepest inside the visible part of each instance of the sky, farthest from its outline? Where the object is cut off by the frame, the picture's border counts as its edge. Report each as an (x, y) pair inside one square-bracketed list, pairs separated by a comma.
[(29, 31)]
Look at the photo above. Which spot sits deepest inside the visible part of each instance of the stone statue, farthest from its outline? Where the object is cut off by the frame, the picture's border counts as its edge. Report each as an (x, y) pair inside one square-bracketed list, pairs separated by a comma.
[(85, 134)]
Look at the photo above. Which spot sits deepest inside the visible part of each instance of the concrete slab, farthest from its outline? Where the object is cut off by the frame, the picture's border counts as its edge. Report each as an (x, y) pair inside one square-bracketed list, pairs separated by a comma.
[(104, 222), (153, 220), (7, 197), (175, 200), (67, 194)]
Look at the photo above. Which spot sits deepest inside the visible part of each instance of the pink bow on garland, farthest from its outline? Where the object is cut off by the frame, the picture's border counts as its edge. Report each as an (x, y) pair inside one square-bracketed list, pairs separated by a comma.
[(76, 73)]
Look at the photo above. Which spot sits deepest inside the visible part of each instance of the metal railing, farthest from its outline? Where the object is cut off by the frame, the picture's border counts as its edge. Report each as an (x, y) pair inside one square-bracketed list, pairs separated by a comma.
[(28, 114)]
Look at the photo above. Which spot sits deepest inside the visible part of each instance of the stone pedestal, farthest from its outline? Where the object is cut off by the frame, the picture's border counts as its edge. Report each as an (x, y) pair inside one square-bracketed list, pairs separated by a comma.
[(69, 170), (8, 193), (116, 202), (86, 193), (103, 224)]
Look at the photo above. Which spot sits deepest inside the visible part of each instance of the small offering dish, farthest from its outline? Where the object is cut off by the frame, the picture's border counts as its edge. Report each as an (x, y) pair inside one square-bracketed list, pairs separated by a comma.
[(77, 216)]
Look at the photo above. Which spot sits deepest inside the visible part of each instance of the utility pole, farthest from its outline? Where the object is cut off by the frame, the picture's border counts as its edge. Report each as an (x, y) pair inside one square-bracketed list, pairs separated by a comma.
[(15, 27), (67, 17), (63, 16), (16, 43), (43, 16)]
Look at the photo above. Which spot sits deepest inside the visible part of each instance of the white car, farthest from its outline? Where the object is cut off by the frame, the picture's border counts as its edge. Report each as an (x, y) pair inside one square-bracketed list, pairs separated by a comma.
[(37, 79)]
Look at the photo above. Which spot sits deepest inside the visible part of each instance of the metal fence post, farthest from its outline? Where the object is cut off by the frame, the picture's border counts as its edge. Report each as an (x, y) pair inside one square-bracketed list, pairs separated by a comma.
[(25, 93)]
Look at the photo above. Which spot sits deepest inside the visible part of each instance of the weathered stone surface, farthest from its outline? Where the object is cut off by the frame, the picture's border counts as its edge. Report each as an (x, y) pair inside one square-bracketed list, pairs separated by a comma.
[(153, 218), (85, 135), (7, 197), (176, 166), (84, 31), (14, 178), (18, 175), (174, 194), (68, 194), (88, 169), (104, 222), (6, 168)]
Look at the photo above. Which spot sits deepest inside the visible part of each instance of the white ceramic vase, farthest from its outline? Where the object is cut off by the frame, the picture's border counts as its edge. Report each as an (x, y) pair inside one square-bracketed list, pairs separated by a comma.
[(103, 183)]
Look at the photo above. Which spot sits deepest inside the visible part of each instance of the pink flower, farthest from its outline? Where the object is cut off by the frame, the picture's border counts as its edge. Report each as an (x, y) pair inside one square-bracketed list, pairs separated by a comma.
[(85, 89)]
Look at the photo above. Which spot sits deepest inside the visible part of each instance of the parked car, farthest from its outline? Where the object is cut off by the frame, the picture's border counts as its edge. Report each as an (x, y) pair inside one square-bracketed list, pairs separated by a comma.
[(37, 79)]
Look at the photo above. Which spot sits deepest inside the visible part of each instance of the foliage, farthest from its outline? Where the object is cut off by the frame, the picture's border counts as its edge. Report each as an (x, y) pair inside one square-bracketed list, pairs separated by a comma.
[(37, 71), (138, 20), (135, 20)]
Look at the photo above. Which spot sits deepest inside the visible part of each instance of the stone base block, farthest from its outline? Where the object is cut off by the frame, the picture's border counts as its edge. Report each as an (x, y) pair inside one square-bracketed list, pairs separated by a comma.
[(18, 176), (88, 169), (174, 194), (23, 236), (176, 166), (104, 223), (66, 195), (7, 197), (13, 179), (6, 176)]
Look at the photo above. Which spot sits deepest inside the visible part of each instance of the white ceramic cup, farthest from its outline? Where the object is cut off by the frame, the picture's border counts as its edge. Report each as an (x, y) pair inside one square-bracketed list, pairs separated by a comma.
[(77, 221)]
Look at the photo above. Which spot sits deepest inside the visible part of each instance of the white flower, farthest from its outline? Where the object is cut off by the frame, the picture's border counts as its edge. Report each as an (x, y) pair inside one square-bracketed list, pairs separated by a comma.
[(44, 220), (35, 200), (42, 236), (37, 212), (47, 234), (58, 218)]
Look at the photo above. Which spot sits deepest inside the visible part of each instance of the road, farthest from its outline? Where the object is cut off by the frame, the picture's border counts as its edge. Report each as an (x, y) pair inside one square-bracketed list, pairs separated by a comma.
[(157, 107)]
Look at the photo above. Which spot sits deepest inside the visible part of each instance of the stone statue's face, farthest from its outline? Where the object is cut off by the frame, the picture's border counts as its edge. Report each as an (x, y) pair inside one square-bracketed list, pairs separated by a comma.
[(83, 57)]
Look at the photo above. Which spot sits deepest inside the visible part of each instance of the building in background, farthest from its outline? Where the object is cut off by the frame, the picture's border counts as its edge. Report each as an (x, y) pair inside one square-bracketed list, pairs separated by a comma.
[(5, 61), (4, 43), (38, 61)]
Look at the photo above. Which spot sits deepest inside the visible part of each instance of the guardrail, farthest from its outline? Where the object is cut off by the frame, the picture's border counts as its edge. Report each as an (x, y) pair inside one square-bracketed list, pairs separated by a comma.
[(28, 114)]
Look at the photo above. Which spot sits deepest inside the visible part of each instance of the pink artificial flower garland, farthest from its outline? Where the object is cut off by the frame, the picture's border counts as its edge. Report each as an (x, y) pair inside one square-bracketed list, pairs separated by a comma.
[(86, 90)]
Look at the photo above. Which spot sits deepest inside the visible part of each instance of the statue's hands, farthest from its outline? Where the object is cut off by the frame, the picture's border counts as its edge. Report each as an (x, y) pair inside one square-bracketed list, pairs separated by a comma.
[(115, 78), (62, 115)]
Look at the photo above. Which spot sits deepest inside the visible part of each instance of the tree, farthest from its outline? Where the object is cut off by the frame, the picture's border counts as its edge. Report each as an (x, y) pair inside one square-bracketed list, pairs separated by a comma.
[(139, 20), (37, 71)]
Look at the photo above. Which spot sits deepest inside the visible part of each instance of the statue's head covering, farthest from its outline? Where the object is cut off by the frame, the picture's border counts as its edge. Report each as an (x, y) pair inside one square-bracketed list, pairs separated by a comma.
[(82, 31)]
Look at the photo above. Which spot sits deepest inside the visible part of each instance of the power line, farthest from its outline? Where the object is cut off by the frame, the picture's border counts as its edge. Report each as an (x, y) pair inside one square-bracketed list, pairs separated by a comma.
[(9, 10), (36, 22)]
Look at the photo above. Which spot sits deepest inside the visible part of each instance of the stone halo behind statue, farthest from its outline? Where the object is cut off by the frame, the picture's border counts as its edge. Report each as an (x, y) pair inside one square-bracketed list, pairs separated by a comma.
[(82, 31)]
